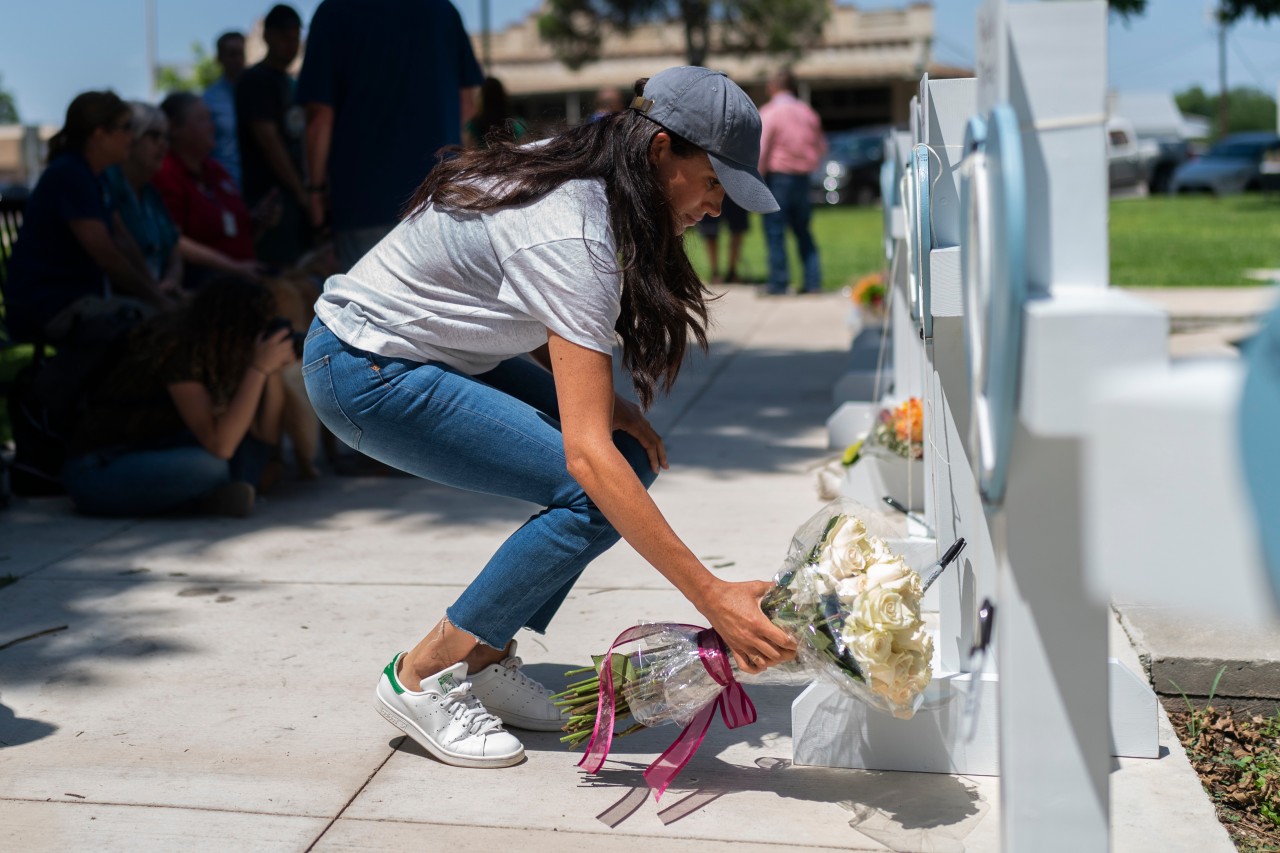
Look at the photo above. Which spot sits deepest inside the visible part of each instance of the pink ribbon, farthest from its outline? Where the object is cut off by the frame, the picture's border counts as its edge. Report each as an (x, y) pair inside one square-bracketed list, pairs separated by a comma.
[(735, 707)]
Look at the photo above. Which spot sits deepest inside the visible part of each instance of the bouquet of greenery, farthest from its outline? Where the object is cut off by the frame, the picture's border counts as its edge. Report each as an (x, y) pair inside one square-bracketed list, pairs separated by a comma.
[(851, 603)]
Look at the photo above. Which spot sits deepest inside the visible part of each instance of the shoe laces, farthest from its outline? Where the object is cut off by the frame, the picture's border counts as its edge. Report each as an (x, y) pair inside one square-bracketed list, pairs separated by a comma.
[(467, 710), (512, 666)]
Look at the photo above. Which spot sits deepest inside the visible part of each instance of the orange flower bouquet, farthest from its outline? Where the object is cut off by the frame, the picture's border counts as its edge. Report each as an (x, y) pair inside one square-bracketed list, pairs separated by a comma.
[(868, 295), (900, 429)]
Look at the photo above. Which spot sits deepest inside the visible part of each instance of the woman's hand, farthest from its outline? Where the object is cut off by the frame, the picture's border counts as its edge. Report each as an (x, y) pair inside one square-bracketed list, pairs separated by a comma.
[(628, 418), (734, 611), (252, 270), (267, 212), (273, 351)]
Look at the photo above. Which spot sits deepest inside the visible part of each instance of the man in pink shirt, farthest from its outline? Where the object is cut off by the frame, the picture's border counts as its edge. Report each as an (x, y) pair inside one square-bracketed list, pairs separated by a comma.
[(791, 146)]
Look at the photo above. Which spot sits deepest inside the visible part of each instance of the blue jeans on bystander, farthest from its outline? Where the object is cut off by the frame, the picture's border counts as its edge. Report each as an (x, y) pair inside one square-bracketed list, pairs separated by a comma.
[(497, 433), (155, 480), (795, 211)]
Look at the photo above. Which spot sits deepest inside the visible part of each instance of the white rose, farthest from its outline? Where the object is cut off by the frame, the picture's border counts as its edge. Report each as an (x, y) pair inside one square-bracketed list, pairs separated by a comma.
[(879, 550), (880, 609), (842, 551), (901, 677), (917, 641), (849, 589), (895, 576), (870, 648)]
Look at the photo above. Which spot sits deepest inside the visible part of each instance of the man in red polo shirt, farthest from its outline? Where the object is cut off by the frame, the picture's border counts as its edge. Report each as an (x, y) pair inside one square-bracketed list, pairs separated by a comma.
[(216, 226)]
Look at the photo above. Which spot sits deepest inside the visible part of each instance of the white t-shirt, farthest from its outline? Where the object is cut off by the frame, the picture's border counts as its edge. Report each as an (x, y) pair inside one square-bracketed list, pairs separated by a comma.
[(473, 289)]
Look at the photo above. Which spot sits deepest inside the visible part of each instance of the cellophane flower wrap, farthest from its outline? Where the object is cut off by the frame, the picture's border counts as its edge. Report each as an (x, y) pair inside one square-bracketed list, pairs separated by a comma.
[(854, 607), (852, 604)]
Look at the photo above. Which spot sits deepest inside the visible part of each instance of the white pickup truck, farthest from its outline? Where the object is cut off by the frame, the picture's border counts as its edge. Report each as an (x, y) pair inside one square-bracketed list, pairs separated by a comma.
[(1130, 160)]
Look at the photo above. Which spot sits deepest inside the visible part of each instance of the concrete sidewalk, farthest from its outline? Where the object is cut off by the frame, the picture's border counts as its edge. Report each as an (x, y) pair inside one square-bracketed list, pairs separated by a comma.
[(212, 688)]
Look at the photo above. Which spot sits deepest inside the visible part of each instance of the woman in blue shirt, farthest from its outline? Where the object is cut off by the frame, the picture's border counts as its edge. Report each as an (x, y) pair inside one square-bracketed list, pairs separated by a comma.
[(139, 204), (65, 250)]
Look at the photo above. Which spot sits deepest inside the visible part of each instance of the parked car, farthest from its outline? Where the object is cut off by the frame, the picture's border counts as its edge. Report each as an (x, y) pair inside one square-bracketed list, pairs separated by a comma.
[(1131, 161), (851, 172), (1233, 165)]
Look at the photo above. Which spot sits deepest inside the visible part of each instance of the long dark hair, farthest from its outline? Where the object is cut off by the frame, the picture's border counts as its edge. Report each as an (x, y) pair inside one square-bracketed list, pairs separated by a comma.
[(216, 331), (87, 112), (663, 300)]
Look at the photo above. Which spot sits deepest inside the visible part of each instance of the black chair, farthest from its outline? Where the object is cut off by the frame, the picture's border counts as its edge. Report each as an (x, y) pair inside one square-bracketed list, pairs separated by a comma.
[(11, 209)]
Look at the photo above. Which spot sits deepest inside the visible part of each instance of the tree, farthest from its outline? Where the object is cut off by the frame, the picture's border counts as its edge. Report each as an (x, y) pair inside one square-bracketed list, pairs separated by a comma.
[(780, 28), (8, 106), (1248, 108), (1128, 8), (195, 77), (1229, 11)]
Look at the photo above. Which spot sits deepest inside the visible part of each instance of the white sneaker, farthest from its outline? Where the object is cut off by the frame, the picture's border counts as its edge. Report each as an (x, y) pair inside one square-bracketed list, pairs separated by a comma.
[(515, 697), (447, 719)]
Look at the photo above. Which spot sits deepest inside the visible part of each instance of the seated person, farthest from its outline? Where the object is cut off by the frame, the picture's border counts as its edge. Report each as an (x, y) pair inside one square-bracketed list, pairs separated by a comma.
[(188, 416), (217, 229), (66, 253), (154, 237)]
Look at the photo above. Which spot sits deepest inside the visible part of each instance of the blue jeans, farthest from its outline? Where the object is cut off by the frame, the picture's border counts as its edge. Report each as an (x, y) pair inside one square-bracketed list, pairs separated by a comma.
[(795, 211), (152, 481), (497, 433)]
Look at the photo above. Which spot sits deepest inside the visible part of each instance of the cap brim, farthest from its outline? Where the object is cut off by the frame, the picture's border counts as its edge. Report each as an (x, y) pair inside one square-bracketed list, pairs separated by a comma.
[(744, 185)]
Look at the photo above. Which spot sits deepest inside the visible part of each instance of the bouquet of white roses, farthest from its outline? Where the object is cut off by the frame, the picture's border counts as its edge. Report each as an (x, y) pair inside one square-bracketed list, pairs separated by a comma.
[(855, 607), (852, 604)]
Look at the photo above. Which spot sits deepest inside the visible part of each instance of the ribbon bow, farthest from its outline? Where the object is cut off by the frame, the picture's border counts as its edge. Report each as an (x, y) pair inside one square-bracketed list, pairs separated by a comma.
[(735, 707)]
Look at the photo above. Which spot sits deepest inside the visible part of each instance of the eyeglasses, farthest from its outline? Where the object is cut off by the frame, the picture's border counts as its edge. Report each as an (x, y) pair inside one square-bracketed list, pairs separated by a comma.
[(127, 124)]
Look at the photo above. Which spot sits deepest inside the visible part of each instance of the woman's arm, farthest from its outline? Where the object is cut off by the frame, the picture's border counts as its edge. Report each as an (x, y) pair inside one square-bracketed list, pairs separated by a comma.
[(202, 255), (584, 389), (222, 434), (96, 239), (171, 284)]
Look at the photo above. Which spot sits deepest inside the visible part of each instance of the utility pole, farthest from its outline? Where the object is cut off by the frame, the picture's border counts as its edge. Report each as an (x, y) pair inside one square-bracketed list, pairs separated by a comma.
[(1223, 112), (484, 37), (151, 48)]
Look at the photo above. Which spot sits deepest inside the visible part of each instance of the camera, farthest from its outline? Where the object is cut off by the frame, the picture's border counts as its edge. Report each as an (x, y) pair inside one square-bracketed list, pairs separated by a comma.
[(298, 338)]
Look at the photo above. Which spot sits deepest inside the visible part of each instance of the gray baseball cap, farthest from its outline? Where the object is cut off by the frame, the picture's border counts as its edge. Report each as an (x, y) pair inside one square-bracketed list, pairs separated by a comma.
[(709, 110)]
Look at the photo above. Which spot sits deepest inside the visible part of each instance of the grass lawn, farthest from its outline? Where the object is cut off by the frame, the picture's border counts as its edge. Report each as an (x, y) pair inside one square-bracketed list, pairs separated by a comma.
[(1162, 241), (1193, 241)]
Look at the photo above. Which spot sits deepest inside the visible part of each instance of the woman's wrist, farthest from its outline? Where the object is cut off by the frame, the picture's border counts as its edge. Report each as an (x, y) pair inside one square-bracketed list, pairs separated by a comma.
[(265, 373), (701, 590)]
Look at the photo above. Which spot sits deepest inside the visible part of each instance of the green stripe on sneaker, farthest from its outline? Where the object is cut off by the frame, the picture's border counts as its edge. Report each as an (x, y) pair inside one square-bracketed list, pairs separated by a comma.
[(390, 673)]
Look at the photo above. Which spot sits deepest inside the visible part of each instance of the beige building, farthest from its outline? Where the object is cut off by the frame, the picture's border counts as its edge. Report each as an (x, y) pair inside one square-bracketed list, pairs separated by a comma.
[(863, 71)]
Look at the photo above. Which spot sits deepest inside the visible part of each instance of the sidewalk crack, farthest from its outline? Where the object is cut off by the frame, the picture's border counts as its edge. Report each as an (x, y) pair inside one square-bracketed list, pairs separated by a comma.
[(394, 749)]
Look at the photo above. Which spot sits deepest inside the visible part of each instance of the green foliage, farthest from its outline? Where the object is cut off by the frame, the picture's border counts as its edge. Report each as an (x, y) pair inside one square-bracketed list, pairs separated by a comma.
[(783, 29), (8, 107), (1128, 8), (196, 77), (1233, 10), (1248, 108), (1228, 10)]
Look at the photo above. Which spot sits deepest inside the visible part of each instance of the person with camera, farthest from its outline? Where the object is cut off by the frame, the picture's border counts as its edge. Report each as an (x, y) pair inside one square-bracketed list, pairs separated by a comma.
[(186, 415)]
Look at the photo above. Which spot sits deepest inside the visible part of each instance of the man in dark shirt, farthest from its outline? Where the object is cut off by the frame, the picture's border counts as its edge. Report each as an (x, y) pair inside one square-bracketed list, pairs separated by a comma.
[(386, 85), (270, 126)]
